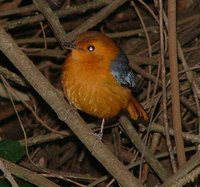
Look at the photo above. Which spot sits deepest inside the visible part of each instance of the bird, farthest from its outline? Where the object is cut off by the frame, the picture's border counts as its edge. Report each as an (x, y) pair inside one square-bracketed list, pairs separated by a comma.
[(97, 79)]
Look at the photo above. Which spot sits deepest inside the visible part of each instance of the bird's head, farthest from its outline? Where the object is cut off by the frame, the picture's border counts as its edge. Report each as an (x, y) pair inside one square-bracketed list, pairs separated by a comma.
[(94, 48)]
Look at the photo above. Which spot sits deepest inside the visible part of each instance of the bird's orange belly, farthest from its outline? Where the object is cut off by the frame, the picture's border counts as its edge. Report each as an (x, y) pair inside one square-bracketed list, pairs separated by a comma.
[(98, 100)]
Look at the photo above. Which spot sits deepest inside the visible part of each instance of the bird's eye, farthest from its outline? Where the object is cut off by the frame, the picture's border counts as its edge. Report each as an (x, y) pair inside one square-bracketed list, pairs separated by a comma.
[(91, 48)]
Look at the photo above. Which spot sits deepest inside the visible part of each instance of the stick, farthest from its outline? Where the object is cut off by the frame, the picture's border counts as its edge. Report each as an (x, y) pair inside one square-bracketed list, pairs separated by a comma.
[(176, 113)]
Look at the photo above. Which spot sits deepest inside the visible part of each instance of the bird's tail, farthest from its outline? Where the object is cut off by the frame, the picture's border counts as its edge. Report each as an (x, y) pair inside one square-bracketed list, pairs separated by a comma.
[(136, 110)]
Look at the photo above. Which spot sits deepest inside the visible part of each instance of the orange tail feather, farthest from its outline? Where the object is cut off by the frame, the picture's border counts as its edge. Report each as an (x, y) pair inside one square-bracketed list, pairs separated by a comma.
[(136, 110)]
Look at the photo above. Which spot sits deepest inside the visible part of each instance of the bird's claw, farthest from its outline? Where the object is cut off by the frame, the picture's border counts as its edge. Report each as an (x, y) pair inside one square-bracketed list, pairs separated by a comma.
[(99, 136)]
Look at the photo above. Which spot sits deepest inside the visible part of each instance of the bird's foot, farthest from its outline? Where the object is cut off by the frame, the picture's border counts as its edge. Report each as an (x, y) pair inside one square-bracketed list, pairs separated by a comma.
[(99, 136)]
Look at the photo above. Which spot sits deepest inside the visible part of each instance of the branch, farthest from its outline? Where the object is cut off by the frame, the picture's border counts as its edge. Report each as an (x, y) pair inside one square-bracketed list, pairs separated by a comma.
[(184, 170), (12, 76), (60, 13), (8, 175), (28, 175), (59, 32), (97, 18), (138, 143)]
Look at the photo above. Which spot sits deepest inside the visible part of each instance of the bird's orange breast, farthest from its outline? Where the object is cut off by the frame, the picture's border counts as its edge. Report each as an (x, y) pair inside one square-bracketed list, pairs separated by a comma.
[(93, 89)]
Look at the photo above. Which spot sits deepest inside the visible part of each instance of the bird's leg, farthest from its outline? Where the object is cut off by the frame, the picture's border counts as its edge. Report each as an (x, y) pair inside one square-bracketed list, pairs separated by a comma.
[(100, 134), (101, 131)]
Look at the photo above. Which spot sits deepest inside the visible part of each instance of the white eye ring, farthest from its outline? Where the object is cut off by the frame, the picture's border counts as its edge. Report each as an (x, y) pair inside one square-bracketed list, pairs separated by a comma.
[(91, 48)]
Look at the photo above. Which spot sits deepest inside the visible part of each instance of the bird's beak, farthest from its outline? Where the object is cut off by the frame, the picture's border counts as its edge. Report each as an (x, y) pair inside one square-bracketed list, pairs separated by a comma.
[(70, 45)]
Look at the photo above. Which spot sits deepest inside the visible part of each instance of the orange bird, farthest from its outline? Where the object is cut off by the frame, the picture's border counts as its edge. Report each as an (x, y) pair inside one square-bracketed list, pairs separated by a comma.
[(97, 79)]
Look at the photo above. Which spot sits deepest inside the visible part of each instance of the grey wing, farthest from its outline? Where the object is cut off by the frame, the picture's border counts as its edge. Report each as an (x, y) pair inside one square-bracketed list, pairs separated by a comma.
[(122, 71)]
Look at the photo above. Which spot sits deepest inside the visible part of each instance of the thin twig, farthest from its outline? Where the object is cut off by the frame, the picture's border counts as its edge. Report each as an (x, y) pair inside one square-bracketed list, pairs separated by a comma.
[(164, 97), (60, 13), (7, 174), (184, 170), (186, 179), (176, 113), (149, 69), (187, 136), (136, 163), (12, 76), (139, 144), (97, 18), (28, 175)]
